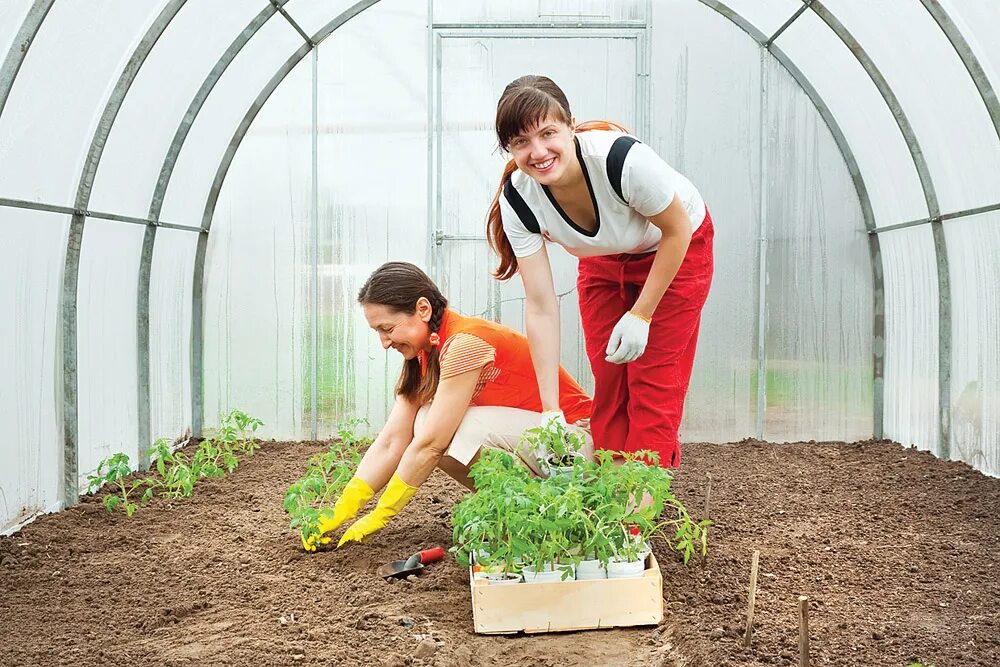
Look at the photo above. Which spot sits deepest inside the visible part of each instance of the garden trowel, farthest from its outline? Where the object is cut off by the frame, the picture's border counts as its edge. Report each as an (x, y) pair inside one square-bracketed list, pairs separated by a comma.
[(411, 565)]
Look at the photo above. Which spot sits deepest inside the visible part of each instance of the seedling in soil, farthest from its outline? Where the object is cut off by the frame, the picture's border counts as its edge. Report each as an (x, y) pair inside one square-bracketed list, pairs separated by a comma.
[(114, 471), (237, 429), (311, 497), (178, 472)]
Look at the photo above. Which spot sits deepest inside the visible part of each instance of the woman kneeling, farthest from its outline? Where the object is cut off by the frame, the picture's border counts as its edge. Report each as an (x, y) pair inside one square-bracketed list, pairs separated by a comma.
[(466, 383)]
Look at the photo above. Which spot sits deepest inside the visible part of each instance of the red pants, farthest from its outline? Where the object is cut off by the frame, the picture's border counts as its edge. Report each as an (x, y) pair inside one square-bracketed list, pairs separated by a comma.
[(639, 405)]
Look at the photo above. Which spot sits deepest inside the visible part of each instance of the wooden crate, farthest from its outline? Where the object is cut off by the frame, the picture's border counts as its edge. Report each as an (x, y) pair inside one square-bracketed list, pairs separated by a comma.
[(568, 605)]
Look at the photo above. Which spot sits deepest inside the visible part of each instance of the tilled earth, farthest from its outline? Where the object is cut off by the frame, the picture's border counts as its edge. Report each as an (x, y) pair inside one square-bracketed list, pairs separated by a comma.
[(898, 552)]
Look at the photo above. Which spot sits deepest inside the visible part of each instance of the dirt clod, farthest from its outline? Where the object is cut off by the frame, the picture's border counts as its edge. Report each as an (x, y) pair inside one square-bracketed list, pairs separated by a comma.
[(425, 649)]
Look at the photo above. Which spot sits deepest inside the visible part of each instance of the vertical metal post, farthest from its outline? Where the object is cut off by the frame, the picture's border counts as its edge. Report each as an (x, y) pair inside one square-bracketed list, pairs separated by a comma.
[(432, 250), (762, 252), (314, 229)]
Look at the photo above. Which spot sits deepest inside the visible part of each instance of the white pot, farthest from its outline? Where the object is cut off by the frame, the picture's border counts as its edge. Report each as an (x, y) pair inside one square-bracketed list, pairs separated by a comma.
[(620, 569), (591, 569), (501, 578), (556, 471), (547, 574)]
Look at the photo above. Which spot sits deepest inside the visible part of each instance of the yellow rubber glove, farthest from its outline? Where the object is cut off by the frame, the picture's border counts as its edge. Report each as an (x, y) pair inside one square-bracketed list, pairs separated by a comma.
[(397, 493), (356, 495)]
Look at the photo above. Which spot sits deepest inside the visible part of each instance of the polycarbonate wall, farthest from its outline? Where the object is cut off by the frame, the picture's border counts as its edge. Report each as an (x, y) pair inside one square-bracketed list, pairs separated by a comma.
[(200, 116)]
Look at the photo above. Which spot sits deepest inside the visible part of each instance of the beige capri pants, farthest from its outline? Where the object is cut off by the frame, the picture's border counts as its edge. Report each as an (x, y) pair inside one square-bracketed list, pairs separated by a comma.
[(500, 427)]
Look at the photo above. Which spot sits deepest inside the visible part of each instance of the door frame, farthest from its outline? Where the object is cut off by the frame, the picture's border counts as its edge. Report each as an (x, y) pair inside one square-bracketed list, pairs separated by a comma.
[(638, 31)]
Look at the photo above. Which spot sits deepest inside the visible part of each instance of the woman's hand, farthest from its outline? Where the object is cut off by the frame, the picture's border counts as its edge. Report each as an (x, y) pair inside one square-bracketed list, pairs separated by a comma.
[(356, 495), (628, 339), (422, 455)]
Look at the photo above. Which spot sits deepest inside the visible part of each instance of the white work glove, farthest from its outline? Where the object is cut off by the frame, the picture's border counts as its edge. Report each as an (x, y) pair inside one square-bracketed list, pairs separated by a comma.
[(628, 339)]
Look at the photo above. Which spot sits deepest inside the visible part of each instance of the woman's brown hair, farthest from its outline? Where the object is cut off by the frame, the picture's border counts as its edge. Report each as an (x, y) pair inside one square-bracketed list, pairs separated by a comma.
[(398, 286), (526, 102)]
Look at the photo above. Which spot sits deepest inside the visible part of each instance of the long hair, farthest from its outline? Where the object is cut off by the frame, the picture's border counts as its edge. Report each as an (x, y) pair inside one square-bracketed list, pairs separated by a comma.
[(398, 286), (525, 102)]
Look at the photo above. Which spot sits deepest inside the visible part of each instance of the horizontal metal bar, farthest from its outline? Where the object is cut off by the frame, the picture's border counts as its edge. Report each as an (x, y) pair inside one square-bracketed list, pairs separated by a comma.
[(971, 211), (69, 210), (440, 237), (540, 25), (567, 34), (941, 218)]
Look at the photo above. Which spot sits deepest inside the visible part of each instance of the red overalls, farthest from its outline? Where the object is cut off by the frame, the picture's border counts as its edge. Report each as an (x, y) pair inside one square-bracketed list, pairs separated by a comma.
[(639, 405)]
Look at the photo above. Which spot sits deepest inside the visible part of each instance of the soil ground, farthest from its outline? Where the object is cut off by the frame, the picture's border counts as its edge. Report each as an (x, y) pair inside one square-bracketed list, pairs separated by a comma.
[(897, 551)]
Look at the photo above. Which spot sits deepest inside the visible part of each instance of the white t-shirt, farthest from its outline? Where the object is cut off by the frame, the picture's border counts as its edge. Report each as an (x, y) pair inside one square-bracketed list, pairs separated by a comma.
[(648, 185)]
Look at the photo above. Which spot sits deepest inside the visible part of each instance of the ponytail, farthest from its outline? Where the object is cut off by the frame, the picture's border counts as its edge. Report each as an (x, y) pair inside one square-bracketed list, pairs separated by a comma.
[(495, 234)]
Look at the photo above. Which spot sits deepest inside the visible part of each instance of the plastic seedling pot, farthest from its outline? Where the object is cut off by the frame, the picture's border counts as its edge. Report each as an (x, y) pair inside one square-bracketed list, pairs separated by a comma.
[(548, 574), (501, 578), (591, 569), (622, 569)]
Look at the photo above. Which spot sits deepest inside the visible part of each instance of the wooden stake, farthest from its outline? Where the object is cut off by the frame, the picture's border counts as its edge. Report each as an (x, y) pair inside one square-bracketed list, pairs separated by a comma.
[(708, 496), (754, 565), (803, 631)]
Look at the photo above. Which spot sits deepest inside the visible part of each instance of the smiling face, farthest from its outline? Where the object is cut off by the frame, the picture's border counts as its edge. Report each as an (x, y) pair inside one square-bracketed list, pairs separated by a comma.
[(405, 333), (546, 151)]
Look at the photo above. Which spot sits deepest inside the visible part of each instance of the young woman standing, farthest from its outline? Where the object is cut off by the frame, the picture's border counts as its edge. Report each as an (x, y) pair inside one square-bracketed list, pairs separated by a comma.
[(643, 237)]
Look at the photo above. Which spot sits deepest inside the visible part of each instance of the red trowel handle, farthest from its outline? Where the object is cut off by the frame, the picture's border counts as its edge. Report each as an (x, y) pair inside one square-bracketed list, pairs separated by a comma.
[(431, 555)]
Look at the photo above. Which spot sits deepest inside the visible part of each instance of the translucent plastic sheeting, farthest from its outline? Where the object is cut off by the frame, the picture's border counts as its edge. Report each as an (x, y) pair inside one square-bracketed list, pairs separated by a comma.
[(475, 66), (373, 196), (472, 11), (882, 155), (973, 248), (60, 92), (706, 123), (818, 344), (313, 15), (170, 332), (767, 16), (155, 105), (31, 262), (225, 107), (936, 92), (911, 325), (12, 13), (256, 277), (978, 21), (106, 343)]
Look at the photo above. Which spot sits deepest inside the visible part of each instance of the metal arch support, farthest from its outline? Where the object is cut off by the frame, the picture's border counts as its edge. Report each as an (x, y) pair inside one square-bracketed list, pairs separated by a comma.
[(964, 51), (19, 49), (155, 208), (71, 273), (197, 324), (878, 284), (197, 319), (934, 212)]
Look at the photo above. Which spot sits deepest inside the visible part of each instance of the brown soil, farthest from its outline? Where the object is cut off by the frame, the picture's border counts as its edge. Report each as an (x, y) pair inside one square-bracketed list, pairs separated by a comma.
[(898, 552)]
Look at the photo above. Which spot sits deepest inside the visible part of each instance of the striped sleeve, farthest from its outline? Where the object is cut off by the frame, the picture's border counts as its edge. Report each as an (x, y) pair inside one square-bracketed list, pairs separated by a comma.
[(464, 352)]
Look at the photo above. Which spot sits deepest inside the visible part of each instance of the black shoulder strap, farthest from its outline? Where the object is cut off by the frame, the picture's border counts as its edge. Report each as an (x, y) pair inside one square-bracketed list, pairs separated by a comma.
[(616, 162), (520, 207)]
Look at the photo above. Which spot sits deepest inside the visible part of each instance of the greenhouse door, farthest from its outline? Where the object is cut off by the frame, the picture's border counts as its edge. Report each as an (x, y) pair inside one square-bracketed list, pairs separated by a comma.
[(602, 71)]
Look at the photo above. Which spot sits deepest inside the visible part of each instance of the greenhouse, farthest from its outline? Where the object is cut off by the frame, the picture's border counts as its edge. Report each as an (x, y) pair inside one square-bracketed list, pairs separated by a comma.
[(196, 199)]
